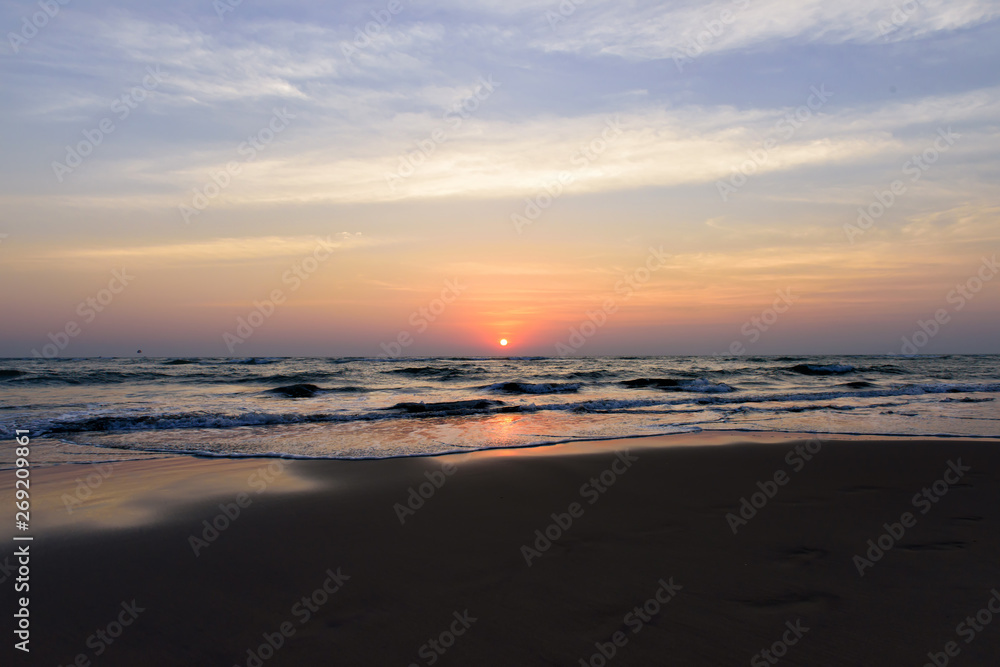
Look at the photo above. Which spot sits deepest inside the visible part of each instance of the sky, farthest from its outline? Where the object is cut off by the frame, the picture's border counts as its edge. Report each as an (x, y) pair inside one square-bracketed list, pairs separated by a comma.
[(417, 178)]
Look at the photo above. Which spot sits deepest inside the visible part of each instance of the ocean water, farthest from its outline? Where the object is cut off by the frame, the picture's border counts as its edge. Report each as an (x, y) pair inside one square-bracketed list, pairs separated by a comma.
[(362, 408)]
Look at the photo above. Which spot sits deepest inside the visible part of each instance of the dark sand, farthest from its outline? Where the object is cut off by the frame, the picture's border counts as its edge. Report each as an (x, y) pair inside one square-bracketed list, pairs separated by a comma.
[(665, 517)]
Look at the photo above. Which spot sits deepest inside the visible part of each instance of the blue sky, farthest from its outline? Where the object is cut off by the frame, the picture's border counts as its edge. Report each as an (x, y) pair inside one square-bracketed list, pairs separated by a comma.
[(420, 141)]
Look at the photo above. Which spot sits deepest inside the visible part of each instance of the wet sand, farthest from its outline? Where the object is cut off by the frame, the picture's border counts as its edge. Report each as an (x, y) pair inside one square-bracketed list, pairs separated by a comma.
[(424, 561)]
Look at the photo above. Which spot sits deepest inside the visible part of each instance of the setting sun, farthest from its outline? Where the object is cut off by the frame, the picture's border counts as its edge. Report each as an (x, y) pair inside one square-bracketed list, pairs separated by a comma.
[(503, 341)]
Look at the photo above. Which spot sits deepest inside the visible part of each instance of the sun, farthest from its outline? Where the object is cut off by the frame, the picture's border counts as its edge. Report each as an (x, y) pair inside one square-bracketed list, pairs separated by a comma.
[(503, 341)]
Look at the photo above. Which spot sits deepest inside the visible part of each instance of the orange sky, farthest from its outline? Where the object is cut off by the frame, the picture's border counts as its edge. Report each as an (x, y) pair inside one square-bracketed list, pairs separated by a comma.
[(536, 165)]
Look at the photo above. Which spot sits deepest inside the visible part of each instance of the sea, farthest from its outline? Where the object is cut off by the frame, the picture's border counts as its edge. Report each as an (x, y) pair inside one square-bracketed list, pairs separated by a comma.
[(354, 408)]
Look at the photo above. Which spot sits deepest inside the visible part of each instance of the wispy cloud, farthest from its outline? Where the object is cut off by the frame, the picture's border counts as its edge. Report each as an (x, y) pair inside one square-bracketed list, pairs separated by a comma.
[(488, 158), (653, 30), (217, 250)]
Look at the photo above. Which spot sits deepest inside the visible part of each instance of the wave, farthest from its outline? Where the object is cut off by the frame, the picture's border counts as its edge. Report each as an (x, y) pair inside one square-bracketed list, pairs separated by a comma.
[(296, 390), (903, 390), (11, 373), (671, 384), (746, 409), (307, 390), (448, 407), (208, 420), (220, 361), (967, 399), (141, 376), (612, 405), (530, 388), (223, 361), (436, 372), (309, 377), (889, 369), (193, 420), (813, 369), (539, 441), (587, 375), (714, 401), (96, 377)]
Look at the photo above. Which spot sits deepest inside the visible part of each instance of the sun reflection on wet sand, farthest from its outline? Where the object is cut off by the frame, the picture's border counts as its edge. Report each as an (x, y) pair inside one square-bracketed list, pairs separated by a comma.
[(126, 494)]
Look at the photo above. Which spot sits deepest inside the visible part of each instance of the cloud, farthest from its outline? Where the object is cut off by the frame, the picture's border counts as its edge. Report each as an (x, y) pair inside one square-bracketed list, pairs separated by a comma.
[(220, 249), (495, 158), (650, 30)]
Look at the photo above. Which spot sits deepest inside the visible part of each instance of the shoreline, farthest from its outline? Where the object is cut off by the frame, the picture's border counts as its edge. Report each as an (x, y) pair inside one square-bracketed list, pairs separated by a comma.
[(704, 437), (548, 549)]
